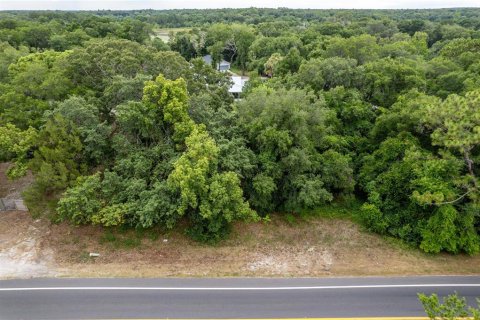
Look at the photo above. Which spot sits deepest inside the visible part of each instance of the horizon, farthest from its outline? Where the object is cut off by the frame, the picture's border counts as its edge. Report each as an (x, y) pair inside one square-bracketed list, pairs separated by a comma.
[(230, 8), (129, 5)]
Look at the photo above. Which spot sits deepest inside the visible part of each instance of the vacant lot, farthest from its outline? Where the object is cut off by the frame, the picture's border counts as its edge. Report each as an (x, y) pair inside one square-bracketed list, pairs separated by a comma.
[(319, 247), (289, 246), (164, 33)]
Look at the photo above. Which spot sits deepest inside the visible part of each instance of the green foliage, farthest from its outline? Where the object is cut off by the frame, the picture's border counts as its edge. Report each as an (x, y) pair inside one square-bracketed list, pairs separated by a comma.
[(291, 134), (40, 75), (325, 74), (171, 97), (9, 55), (79, 203), (216, 198), (138, 122), (15, 146), (184, 43), (445, 77), (130, 131), (452, 308), (402, 46), (459, 47), (290, 63), (272, 64), (93, 133), (385, 79), (111, 215), (102, 60), (411, 193), (419, 196), (130, 194), (456, 123), (120, 90), (264, 47), (405, 115), (373, 218), (451, 231), (193, 168), (362, 48), (37, 36), (230, 42), (356, 119), (456, 126), (347, 208), (58, 160), (35, 81)]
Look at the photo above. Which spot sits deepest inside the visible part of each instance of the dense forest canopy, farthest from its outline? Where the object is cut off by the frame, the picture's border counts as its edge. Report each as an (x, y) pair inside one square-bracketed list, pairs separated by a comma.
[(123, 129)]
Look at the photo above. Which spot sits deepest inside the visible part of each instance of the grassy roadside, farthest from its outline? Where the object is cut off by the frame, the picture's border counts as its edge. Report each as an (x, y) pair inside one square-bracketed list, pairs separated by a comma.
[(324, 242)]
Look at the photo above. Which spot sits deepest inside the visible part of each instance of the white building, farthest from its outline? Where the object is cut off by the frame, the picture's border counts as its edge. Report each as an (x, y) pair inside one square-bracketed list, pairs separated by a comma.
[(238, 84)]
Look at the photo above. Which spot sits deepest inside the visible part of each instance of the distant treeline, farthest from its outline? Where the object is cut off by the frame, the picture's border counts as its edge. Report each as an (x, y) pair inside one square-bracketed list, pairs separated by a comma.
[(467, 17)]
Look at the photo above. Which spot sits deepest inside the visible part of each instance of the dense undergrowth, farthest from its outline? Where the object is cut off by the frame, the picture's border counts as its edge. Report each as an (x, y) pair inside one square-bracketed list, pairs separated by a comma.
[(376, 110)]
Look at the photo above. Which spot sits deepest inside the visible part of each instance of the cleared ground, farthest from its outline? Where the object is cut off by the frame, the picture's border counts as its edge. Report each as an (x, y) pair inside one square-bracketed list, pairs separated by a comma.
[(164, 33), (316, 245)]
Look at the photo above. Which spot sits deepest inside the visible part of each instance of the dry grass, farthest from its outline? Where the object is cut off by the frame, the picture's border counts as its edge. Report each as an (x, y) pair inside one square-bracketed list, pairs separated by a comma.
[(319, 247)]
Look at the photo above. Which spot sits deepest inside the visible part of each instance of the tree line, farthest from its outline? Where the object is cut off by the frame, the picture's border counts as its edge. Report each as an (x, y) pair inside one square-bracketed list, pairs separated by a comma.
[(122, 129)]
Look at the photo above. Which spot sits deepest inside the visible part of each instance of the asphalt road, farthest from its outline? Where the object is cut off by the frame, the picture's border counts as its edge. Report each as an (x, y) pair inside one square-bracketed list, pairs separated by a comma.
[(224, 298)]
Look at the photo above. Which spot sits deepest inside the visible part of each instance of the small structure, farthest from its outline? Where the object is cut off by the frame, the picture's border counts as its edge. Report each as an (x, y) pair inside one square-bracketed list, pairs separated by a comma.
[(12, 204), (207, 59), (20, 205), (223, 66), (238, 84)]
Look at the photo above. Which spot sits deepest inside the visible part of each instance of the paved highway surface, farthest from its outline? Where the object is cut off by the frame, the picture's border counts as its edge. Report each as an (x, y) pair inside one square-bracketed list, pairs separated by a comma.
[(224, 298)]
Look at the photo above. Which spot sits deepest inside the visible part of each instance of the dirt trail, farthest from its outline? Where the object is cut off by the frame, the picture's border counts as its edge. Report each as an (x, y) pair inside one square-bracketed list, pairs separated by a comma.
[(21, 252)]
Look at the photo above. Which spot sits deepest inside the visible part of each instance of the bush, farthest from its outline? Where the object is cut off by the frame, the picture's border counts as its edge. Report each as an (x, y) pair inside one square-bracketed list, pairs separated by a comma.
[(453, 307), (80, 203), (373, 218)]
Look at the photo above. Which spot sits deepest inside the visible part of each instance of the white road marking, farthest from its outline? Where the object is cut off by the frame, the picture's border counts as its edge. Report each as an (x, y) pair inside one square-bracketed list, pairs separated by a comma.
[(433, 285)]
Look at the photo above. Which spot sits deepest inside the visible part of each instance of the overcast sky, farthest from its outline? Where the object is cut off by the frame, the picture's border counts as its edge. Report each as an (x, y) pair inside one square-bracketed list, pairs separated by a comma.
[(178, 4)]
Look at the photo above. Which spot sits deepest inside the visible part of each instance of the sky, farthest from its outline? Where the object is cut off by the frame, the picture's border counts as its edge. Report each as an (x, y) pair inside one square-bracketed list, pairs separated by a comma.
[(202, 4)]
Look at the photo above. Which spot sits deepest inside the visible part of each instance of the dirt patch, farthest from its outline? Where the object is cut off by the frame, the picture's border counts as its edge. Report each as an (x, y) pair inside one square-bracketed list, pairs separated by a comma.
[(22, 254)]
